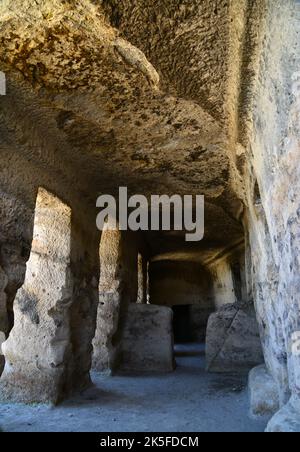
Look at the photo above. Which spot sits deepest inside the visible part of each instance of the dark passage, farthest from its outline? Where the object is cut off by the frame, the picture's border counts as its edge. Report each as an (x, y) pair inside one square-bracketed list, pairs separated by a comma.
[(182, 325)]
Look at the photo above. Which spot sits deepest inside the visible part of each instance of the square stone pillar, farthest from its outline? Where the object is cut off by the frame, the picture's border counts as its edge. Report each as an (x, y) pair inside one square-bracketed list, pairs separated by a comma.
[(38, 350), (117, 290)]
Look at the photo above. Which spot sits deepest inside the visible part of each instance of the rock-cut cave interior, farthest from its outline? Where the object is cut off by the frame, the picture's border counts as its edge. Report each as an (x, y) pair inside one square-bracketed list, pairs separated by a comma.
[(143, 331)]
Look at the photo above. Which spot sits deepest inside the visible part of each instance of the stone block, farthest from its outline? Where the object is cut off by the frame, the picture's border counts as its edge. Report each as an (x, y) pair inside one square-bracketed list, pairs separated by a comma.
[(148, 339), (263, 391), (232, 341)]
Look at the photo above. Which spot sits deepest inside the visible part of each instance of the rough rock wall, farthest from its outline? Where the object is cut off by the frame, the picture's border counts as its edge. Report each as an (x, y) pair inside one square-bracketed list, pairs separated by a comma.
[(143, 280), (232, 340), (20, 179), (117, 288), (273, 196), (147, 344), (48, 352), (3, 314), (15, 242), (21, 175), (232, 336), (223, 284), (31, 157), (179, 283), (198, 50), (230, 275), (38, 350)]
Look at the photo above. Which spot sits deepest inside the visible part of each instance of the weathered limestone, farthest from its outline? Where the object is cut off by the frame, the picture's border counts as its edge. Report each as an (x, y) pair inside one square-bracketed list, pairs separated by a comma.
[(176, 282), (3, 297), (183, 285), (287, 419), (3, 314), (15, 238), (147, 344), (232, 340), (117, 288), (142, 280), (223, 283), (273, 198), (83, 311), (105, 350), (264, 400), (38, 350), (13, 259), (162, 103), (2, 360)]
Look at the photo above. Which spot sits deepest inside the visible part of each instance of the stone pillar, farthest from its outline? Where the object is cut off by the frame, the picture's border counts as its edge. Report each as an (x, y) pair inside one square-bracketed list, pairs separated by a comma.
[(223, 284), (38, 350), (3, 315), (85, 277), (232, 339), (142, 280), (117, 288)]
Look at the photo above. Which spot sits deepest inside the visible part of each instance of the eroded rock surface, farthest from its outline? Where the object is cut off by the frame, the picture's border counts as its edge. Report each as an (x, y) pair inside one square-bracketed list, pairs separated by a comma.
[(232, 340), (287, 419), (182, 97), (118, 287), (147, 344), (38, 350), (3, 314), (274, 155), (264, 399), (48, 352)]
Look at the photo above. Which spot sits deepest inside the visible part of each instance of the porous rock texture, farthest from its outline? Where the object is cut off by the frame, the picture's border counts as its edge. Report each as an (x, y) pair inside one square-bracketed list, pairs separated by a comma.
[(190, 97), (100, 96), (264, 399), (232, 336), (38, 347), (147, 344), (117, 288), (232, 340), (3, 314), (143, 280), (42, 363), (287, 419), (273, 194)]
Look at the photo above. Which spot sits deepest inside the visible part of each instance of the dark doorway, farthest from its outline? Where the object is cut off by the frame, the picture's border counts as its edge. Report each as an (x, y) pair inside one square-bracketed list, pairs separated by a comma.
[(182, 324)]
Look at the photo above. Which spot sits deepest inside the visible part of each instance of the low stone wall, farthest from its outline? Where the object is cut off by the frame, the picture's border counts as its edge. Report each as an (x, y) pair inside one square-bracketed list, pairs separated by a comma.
[(148, 339)]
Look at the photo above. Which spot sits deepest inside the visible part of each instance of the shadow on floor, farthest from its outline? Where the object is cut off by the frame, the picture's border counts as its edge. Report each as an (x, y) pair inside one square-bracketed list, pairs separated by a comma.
[(193, 349), (187, 400)]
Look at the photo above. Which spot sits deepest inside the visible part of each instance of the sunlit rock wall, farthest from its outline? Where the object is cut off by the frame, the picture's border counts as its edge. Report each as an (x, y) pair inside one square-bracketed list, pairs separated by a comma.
[(274, 197)]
